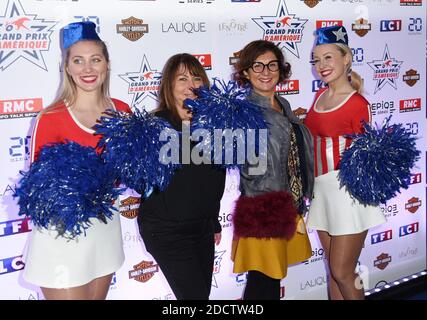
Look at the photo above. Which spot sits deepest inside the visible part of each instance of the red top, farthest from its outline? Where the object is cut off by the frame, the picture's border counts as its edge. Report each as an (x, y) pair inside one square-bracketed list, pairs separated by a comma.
[(330, 127), (61, 125)]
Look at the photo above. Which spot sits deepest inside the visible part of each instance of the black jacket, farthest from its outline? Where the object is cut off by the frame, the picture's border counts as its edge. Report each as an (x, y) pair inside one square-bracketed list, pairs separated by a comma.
[(194, 193)]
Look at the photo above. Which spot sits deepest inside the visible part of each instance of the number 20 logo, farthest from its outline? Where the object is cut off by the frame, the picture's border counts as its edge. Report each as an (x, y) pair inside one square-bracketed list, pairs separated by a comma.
[(20, 146), (415, 24), (358, 55)]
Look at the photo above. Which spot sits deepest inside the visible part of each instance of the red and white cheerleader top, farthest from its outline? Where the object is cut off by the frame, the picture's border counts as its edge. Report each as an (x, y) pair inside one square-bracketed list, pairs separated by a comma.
[(330, 128)]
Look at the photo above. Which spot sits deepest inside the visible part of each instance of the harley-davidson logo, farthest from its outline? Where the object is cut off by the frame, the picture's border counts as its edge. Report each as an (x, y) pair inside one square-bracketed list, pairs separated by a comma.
[(132, 28), (129, 207), (411, 77), (235, 58), (312, 3), (413, 204), (300, 112), (382, 261), (361, 27), (143, 271)]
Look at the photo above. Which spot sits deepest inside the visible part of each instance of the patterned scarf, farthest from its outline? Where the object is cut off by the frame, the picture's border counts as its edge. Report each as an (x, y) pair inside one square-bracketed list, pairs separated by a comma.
[(294, 172)]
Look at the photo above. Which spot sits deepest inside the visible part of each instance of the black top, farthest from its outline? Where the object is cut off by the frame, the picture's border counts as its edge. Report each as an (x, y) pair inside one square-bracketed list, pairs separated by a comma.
[(194, 193)]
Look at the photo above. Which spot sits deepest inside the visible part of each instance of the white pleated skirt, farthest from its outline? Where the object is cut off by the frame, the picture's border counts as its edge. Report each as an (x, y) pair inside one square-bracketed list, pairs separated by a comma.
[(333, 210), (55, 262)]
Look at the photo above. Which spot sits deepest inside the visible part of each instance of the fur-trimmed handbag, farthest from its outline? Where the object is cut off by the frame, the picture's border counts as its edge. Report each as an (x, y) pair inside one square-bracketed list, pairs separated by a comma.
[(269, 215)]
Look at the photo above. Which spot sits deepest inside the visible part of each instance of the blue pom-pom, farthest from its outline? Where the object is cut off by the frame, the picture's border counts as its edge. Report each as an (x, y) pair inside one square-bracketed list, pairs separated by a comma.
[(377, 164), (225, 107), (132, 148), (66, 186)]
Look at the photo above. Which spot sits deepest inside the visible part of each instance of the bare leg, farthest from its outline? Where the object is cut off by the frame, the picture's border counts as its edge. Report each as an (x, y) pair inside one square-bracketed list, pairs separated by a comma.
[(100, 287), (344, 253), (334, 290), (97, 289)]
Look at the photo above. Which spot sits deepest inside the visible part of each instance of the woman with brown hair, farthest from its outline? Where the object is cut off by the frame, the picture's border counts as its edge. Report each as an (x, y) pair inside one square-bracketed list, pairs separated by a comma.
[(268, 220), (180, 225)]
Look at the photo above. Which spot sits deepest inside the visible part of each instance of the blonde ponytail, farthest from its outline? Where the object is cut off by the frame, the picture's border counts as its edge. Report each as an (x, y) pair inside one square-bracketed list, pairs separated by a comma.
[(356, 82)]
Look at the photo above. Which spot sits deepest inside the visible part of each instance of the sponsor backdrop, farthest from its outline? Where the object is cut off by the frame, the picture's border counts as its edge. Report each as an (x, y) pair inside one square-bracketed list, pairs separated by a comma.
[(388, 39)]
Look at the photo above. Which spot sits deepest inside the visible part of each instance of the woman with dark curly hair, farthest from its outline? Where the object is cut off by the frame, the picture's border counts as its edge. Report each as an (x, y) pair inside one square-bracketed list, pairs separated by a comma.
[(269, 230)]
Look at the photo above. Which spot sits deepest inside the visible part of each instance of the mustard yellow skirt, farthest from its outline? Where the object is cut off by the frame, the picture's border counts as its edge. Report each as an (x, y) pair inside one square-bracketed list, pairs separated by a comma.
[(271, 256)]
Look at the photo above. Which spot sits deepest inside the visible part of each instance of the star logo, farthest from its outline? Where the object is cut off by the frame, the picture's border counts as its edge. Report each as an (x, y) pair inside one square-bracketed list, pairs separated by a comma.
[(386, 70), (22, 35), (284, 29), (217, 267), (340, 34), (143, 83)]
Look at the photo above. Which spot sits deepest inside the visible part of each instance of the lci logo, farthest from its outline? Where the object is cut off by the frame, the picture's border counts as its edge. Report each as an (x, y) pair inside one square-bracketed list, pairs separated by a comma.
[(316, 85), (390, 25), (408, 229), (143, 271), (20, 108), (22, 35), (11, 264), (129, 207)]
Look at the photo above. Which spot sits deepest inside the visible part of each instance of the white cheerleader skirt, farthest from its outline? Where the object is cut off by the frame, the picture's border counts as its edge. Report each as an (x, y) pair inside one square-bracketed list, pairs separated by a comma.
[(56, 262), (333, 209)]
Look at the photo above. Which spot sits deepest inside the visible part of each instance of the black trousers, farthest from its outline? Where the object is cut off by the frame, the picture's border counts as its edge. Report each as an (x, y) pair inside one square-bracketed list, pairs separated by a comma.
[(185, 254), (261, 287)]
